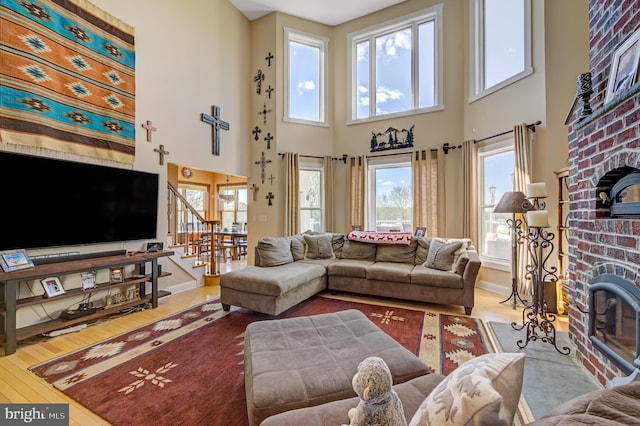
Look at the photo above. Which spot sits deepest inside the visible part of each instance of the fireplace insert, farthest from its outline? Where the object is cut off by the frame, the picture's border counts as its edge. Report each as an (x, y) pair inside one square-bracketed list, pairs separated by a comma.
[(614, 320)]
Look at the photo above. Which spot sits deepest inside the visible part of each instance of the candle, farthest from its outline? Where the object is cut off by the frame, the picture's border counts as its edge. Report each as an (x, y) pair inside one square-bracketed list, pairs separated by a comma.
[(538, 219), (536, 190)]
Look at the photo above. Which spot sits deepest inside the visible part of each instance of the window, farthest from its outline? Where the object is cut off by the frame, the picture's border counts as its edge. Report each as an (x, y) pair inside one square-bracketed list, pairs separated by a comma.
[(390, 196), (195, 196), (396, 66), (233, 205), (501, 40), (305, 65), (496, 170), (311, 198)]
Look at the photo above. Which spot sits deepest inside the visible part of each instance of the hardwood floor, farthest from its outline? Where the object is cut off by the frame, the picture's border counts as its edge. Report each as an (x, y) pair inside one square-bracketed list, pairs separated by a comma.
[(17, 385)]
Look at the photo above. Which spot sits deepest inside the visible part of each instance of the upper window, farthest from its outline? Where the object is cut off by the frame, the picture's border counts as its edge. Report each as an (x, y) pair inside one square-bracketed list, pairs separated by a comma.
[(395, 66), (390, 196), (501, 41), (311, 198), (305, 65), (496, 174)]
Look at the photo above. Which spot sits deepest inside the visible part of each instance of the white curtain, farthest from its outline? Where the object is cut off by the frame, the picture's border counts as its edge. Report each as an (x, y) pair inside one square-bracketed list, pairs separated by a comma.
[(357, 191), (428, 200), (522, 177), (470, 190), (327, 165), (291, 190)]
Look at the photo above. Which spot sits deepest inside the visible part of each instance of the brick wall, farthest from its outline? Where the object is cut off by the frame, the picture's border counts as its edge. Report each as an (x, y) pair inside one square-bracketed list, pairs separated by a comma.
[(600, 147)]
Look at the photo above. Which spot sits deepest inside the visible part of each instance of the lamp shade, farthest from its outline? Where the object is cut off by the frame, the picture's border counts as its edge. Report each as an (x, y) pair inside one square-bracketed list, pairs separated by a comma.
[(513, 202)]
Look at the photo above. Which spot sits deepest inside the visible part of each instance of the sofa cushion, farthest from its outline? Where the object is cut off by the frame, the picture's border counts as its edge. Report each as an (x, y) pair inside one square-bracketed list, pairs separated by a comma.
[(435, 278), (461, 263), (272, 281), (274, 251), (422, 250), (337, 241), (358, 250), (398, 254), (482, 391), (442, 254), (349, 268), (318, 246), (390, 271), (297, 247)]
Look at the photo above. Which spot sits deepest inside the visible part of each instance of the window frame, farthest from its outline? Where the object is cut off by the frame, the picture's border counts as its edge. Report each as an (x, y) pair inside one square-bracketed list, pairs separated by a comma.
[(495, 148), (322, 44), (312, 167), (385, 163), (476, 52), (235, 188), (413, 20)]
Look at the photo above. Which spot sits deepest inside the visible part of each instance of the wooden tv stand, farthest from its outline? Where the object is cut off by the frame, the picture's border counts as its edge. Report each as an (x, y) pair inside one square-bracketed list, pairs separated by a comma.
[(9, 304)]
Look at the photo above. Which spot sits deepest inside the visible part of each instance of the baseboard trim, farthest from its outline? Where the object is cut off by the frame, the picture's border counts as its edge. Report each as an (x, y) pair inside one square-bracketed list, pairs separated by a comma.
[(179, 288), (493, 287)]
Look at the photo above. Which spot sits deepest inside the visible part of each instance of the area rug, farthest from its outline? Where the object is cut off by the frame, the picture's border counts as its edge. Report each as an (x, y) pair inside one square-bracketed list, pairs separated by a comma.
[(550, 378), (188, 368)]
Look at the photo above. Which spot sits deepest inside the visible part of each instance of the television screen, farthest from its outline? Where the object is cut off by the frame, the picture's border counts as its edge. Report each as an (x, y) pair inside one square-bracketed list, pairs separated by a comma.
[(52, 202)]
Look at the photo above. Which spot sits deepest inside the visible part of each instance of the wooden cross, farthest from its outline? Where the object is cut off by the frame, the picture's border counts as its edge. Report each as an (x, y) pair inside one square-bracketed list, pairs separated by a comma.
[(264, 113), (255, 190), (263, 162), (269, 58), (269, 90), (256, 133), (258, 79), (162, 153), (271, 178), (270, 197), (150, 128), (216, 122), (268, 138)]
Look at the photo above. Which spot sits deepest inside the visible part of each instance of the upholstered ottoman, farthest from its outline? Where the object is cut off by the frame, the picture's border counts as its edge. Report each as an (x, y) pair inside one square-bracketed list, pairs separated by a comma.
[(302, 362)]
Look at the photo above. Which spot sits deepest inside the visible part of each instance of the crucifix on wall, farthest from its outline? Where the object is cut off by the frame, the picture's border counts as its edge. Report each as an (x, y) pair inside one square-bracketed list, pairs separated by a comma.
[(216, 122), (256, 133), (264, 112), (270, 197), (258, 79), (149, 127), (255, 190), (263, 162), (162, 153), (268, 138)]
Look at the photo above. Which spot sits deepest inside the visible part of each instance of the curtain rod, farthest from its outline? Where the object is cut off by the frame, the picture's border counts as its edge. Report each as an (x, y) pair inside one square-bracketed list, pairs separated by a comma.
[(446, 147), (343, 158), (397, 153)]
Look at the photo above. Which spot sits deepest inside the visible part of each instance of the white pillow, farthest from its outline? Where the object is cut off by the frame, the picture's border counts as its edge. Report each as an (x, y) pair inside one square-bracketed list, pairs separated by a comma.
[(482, 391)]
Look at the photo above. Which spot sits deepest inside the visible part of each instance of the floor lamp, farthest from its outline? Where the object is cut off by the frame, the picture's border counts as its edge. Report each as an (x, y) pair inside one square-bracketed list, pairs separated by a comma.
[(514, 202)]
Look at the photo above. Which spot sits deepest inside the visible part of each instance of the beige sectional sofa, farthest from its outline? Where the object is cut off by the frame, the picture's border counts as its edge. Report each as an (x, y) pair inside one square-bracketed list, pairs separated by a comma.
[(291, 269)]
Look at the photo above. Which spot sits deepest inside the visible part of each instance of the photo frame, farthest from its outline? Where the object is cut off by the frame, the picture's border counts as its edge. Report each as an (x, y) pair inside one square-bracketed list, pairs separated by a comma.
[(88, 280), (624, 69), (154, 247), (116, 274), (52, 287), (14, 260), (420, 231)]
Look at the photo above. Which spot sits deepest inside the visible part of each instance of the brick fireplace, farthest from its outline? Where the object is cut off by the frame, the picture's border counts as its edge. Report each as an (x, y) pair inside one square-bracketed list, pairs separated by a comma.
[(603, 148)]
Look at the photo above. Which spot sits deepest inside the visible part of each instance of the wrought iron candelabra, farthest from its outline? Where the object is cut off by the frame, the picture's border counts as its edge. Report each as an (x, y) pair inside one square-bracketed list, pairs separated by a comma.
[(536, 319)]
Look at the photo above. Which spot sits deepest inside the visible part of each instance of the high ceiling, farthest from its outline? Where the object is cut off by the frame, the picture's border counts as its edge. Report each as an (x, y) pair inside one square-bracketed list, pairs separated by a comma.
[(328, 12)]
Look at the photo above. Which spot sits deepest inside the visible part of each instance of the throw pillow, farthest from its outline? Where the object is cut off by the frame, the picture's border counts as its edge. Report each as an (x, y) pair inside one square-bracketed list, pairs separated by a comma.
[(297, 247), (274, 251), (318, 246), (482, 391), (442, 255)]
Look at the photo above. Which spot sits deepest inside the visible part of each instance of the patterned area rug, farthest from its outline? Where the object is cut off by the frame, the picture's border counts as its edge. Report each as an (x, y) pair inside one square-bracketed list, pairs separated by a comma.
[(188, 368)]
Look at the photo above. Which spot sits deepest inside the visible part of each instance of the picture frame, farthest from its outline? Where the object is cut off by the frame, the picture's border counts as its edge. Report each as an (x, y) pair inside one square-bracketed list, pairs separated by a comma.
[(624, 69), (88, 280), (420, 231), (14, 260), (116, 275), (155, 246), (52, 287)]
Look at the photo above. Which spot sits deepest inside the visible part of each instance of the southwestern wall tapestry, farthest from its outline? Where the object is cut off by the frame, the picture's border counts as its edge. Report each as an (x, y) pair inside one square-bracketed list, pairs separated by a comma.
[(67, 80)]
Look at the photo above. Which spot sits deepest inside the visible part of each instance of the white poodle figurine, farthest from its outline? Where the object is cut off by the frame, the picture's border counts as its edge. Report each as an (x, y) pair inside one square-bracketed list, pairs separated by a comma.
[(379, 404)]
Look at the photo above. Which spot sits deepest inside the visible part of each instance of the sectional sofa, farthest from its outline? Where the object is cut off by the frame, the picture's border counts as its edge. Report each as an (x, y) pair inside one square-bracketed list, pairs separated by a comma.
[(399, 265)]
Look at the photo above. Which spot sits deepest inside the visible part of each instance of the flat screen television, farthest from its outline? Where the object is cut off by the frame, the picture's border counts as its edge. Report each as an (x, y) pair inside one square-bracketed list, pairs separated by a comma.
[(50, 203)]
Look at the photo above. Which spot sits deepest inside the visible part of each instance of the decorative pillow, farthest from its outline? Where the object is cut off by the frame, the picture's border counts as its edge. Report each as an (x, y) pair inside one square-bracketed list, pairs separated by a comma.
[(386, 238), (461, 264), (442, 255), (318, 246), (274, 251), (337, 241), (358, 251), (422, 250), (297, 247), (482, 391)]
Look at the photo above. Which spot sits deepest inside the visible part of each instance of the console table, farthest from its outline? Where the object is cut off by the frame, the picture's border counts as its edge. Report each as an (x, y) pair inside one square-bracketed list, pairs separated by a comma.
[(9, 303)]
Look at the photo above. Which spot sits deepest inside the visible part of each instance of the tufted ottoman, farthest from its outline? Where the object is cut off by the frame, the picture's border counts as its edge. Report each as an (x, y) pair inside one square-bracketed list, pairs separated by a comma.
[(302, 362)]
